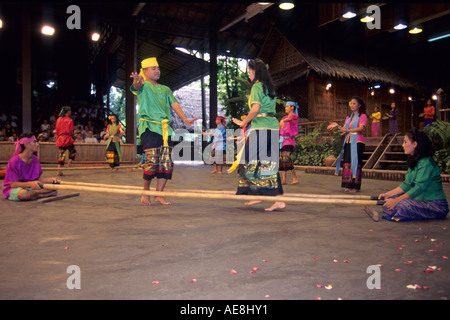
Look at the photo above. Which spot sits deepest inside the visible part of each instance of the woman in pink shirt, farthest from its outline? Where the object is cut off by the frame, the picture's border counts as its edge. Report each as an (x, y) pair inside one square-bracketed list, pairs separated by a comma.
[(23, 173), (354, 144), (288, 131)]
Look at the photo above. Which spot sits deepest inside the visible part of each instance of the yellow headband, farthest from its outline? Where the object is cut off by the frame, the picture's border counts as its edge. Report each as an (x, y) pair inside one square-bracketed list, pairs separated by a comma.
[(149, 62)]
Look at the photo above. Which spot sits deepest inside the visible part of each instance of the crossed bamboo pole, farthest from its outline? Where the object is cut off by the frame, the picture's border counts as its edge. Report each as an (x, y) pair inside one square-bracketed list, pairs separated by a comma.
[(213, 194)]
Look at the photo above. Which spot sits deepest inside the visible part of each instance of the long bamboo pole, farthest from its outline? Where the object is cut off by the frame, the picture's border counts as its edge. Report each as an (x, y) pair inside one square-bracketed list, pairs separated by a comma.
[(84, 168), (198, 195), (303, 195)]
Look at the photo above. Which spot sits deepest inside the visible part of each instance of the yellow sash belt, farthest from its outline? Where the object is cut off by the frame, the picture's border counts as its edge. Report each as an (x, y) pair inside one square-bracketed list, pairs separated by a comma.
[(165, 129)]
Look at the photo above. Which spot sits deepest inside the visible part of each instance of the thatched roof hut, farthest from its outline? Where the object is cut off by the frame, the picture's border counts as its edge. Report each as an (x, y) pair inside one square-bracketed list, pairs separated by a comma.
[(288, 62)]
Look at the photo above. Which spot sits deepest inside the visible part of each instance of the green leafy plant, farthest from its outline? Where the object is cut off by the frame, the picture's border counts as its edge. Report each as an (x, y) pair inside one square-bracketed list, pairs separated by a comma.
[(313, 148), (439, 134)]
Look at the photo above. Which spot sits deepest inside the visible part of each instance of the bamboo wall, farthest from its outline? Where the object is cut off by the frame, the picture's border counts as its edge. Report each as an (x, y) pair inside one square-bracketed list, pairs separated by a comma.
[(86, 152)]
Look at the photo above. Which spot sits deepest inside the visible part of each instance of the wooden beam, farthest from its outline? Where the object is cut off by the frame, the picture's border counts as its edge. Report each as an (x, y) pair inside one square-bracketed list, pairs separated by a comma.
[(130, 100), (26, 70)]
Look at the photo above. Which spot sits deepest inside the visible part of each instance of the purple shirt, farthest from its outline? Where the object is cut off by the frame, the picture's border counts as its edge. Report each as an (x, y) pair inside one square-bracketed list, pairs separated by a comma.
[(20, 171)]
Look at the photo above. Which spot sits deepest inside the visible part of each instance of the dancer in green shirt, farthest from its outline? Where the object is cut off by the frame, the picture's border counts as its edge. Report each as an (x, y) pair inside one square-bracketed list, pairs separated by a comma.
[(155, 102)]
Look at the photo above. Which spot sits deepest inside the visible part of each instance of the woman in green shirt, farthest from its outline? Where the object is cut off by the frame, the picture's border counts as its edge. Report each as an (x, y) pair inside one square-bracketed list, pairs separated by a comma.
[(421, 195), (260, 156)]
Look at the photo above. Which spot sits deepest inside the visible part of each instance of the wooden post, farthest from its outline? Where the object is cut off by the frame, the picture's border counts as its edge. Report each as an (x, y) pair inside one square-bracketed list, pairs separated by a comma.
[(26, 70), (212, 73), (130, 66)]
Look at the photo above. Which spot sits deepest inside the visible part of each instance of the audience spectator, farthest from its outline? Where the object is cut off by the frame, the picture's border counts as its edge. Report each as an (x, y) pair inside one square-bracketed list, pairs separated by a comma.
[(103, 132), (41, 137), (104, 139), (9, 131), (78, 137), (90, 137), (45, 129), (2, 132)]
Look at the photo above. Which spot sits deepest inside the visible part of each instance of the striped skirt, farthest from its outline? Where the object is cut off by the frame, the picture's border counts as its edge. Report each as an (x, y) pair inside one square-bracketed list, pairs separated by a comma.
[(410, 209), (286, 163)]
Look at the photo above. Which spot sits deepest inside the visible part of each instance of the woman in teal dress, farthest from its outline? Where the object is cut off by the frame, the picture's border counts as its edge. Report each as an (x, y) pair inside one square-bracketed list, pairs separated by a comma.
[(259, 159), (421, 195)]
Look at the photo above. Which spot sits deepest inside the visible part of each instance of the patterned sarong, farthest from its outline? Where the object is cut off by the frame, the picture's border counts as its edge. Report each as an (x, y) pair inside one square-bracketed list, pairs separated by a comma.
[(158, 163), (348, 180), (259, 175), (410, 209), (286, 163), (62, 153)]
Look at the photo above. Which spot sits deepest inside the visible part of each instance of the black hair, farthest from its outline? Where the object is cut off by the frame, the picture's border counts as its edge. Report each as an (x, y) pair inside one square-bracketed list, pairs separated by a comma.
[(262, 75), (362, 108), (424, 147), (24, 135)]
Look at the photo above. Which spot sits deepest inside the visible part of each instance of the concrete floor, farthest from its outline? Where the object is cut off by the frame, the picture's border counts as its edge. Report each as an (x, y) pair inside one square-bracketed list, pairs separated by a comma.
[(127, 251)]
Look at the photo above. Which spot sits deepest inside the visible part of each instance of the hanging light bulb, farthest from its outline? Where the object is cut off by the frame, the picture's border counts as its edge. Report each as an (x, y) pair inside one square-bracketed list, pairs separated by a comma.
[(415, 30), (47, 30), (286, 5), (95, 36), (367, 18)]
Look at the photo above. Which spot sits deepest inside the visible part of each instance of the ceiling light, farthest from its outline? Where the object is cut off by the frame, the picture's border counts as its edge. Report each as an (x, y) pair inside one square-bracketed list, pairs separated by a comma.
[(439, 37), (1, 23), (400, 26), (349, 14), (415, 30), (95, 36), (367, 18), (391, 90), (286, 5), (434, 97), (47, 30)]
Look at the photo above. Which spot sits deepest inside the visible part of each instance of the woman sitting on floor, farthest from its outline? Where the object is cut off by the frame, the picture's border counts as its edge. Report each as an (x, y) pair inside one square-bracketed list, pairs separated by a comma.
[(421, 195), (23, 172)]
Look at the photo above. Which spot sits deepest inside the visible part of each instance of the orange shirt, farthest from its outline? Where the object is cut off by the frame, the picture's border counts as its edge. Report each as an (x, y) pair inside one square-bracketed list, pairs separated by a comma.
[(430, 111)]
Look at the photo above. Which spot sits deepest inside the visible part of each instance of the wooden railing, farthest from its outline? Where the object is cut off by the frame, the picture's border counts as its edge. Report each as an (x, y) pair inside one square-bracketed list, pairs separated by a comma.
[(86, 152)]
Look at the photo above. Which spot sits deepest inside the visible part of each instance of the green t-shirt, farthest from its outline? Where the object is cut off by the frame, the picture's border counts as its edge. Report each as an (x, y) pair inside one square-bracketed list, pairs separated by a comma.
[(268, 105), (154, 104), (424, 182)]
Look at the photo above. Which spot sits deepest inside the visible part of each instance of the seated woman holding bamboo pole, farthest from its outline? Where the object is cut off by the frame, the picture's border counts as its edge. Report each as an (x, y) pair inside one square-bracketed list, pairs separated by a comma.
[(23, 173), (259, 173), (421, 195)]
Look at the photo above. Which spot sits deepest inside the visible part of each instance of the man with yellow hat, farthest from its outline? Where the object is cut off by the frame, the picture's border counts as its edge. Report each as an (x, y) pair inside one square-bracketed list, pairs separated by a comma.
[(155, 102)]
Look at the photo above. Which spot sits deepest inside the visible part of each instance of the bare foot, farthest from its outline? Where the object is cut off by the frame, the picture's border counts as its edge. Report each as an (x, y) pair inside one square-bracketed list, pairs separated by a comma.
[(352, 190), (283, 182), (219, 172), (252, 202), (145, 200), (294, 181), (161, 200), (277, 205), (214, 171)]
